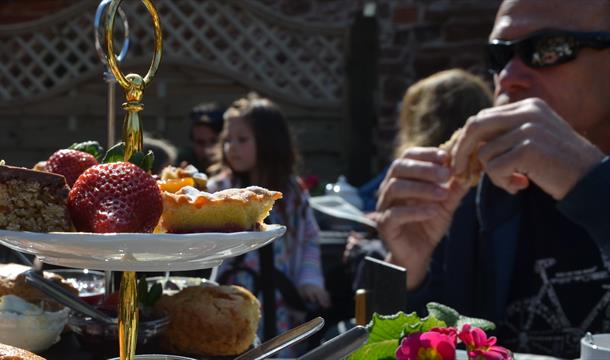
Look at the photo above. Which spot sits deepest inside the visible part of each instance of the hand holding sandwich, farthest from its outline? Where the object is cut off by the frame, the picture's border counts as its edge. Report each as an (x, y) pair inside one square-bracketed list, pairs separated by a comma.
[(514, 144), (525, 141)]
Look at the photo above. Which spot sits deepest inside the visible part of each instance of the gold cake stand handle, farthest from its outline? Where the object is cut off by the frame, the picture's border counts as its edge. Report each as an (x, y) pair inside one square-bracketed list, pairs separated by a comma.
[(133, 84), (112, 63)]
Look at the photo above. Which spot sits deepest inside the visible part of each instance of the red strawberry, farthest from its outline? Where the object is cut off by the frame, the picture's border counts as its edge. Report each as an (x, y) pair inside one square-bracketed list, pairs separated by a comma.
[(115, 197), (70, 164)]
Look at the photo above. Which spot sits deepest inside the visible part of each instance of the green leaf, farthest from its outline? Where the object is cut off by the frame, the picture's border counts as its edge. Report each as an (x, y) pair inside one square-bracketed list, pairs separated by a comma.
[(444, 313), (430, 322), (154, 294), (142, 289), (143, 161), (384, 334), (386, 327), (92, 147), (475, 322), (383, 350), (115, 153), (149, 159)]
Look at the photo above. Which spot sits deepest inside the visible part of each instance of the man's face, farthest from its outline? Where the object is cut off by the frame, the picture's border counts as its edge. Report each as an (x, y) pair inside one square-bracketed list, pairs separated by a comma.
[(577, 90)]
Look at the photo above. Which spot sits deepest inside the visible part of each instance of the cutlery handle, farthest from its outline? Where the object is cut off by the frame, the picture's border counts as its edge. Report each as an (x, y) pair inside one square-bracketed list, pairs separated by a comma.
[(340, 346), (286, 339), (64, 297)]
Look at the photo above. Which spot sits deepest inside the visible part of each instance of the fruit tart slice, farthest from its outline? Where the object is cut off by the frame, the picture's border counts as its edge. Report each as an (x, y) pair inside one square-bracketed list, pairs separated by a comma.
[(190, 210)]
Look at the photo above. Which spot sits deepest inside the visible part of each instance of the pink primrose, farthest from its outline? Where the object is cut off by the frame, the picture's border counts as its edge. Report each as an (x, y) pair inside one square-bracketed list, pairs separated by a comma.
[(431, 345)]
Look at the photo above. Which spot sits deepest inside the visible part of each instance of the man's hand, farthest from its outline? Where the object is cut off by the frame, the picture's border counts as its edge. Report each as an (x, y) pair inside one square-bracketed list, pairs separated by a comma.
[(523, 141), (416, 204)]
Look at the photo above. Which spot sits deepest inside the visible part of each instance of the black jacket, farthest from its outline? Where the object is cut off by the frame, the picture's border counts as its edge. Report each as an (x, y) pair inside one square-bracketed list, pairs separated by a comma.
[(473, 266)]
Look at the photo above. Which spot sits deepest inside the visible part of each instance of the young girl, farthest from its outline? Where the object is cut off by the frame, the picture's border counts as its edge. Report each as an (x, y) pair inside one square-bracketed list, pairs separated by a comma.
[(258, 150)]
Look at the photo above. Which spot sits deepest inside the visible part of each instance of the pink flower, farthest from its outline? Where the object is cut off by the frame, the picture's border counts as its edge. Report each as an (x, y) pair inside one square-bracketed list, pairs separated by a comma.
[(480, 347), (492, 353), (436, 344)]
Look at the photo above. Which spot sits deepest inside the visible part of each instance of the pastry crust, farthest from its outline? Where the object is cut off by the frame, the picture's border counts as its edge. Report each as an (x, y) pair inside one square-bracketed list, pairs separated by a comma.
[(472, 175), (190, 210), (12, 353), (210, 320)]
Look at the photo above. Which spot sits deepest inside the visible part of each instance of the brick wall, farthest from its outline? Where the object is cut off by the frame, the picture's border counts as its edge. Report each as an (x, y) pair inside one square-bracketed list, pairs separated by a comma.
[(18, 11)]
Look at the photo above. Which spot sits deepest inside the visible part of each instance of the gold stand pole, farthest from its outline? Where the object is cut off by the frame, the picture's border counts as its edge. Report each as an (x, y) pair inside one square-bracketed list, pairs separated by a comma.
[(134, 85), (128, 316)]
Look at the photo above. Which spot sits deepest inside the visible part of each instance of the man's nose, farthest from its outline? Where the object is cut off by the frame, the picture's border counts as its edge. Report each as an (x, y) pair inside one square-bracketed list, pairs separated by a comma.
[(515, 76)]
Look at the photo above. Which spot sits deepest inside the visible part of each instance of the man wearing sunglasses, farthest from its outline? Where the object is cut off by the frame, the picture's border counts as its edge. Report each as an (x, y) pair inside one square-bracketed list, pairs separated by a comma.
[(529, 248)]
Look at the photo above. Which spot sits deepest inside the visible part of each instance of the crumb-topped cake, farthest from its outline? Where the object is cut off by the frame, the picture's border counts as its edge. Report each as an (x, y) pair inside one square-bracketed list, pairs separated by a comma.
[(190, 210), (33, 200)]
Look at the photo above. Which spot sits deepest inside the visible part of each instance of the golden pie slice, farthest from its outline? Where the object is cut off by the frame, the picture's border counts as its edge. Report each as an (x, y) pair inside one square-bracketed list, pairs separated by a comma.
[(190, 210)]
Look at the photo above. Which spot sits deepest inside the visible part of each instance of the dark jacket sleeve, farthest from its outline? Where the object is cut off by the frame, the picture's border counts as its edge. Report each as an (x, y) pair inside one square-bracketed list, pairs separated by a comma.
[(588, 204)]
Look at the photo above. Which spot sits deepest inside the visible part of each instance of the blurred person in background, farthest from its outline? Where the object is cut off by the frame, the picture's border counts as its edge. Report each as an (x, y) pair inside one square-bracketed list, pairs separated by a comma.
[(206, 124), (165, 153), (431, 111)]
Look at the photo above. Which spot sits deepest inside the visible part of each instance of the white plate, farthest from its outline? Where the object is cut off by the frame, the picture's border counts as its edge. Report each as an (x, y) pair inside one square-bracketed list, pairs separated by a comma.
[(336, 206), (138, 252)]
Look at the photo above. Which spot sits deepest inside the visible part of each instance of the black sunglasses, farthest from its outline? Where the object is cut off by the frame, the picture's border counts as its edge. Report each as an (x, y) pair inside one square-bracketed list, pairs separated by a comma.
[(545, 48)]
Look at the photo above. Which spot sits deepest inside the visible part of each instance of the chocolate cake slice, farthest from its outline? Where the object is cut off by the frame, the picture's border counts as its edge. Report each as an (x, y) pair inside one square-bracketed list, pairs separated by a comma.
[(33, 200)]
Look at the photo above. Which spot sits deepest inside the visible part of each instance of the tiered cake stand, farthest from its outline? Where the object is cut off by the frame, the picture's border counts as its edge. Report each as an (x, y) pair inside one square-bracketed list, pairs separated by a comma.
[(131, 252)]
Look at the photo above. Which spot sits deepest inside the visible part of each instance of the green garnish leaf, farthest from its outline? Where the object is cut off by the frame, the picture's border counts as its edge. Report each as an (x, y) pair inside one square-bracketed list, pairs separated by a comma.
[(154, 294), (148, 297), (486, 325), (142, 289), (91, 147), (443, 312), (143, 161), (115, 153), (383, 350)]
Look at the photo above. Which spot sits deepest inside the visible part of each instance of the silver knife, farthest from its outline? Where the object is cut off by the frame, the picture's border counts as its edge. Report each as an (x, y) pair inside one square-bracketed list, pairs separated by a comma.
[(340, 346), (286, 339)]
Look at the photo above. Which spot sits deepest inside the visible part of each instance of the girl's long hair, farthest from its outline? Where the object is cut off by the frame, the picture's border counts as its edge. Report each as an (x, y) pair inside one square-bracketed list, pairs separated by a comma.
[(276, 155)]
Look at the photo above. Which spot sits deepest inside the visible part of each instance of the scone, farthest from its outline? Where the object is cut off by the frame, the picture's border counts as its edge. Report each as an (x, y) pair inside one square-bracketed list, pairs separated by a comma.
[(210, 320), (190, 210), (472, 175), (12, 353)]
